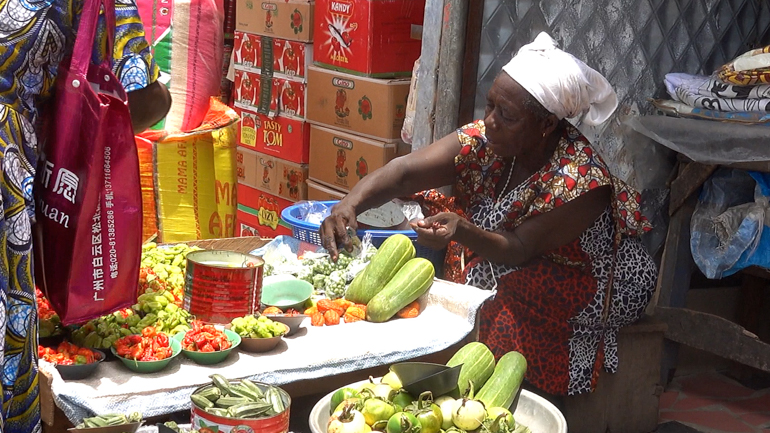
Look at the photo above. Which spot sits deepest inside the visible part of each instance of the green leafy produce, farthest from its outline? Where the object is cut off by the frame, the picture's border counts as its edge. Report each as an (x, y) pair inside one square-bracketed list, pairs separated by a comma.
[(257, 327)]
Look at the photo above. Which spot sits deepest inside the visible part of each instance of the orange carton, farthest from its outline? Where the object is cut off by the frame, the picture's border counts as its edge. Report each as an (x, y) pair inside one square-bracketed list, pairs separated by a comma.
[(318, 192), (366, 106), (340, 160), (285, 19)]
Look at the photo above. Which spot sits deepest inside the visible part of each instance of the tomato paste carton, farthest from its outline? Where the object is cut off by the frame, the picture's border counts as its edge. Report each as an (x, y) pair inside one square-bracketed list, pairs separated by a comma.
[(365, 106), (285, 19), (272, 56), (270, 96), (247, 51), (318, 192), (281, 137), (339, 159), (246, 166), (375, 38), (272, 175), (259, 213)]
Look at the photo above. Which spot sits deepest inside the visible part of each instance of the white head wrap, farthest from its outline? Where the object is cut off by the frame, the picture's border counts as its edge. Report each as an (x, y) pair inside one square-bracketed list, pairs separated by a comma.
[(563, 84)]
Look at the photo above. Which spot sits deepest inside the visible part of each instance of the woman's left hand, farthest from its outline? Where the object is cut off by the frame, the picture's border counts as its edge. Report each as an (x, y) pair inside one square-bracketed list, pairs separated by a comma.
[(437, 231)]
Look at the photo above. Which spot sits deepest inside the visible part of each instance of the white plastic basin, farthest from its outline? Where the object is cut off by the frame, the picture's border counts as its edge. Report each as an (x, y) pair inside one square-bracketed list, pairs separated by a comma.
[(533, 411)]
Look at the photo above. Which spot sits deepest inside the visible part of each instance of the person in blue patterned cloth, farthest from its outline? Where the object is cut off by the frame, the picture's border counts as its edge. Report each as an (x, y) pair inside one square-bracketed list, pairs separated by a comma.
[(34, 37)]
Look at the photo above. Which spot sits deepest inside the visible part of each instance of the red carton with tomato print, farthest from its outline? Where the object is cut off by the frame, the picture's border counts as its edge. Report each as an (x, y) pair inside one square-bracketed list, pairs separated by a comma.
[(340, 160), (284, 19), (247, 91), (247, 51), (270, 96), (259, 213), (373, 38), (280, 137), (279, 57)]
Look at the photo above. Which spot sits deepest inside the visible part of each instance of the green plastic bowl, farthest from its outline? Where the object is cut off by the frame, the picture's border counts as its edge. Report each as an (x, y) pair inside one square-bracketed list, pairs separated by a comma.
[(286, 294), (150, 366), (209, 358)]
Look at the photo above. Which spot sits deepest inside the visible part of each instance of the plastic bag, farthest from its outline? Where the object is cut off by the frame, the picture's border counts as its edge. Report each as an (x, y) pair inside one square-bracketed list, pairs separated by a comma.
[(728, 226)]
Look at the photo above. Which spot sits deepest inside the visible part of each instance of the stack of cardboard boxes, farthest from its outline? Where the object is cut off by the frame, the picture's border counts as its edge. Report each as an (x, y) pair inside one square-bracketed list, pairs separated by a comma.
[(311, 132), (357, 91), (271, 55)]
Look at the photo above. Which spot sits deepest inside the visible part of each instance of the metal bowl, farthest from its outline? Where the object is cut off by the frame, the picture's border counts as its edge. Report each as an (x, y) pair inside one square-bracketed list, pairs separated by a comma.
[(80, 372)]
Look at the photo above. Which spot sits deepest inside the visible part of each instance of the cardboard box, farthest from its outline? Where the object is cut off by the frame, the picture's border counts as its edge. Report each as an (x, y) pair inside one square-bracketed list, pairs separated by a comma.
[(318, 192), (274, 96), (272, 175), (364, 106), (260, 213), (339, 159), (246, 166), (281, 137), (280, 58), (375, 38), (285, 19)]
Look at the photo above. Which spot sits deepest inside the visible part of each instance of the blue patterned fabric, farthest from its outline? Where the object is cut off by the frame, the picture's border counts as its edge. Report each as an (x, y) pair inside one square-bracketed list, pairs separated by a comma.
[(35, 35)]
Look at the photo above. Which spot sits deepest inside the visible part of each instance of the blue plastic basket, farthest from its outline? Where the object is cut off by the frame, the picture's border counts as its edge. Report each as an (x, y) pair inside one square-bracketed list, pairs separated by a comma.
[(308, 232)]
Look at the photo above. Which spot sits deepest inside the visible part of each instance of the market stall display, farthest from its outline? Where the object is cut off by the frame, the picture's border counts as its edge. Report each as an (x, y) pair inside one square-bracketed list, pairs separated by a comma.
[(384, 405)]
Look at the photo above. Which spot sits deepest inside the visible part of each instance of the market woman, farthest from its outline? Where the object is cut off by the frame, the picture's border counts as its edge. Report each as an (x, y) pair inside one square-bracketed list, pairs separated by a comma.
[(34, 38), (535, 215)]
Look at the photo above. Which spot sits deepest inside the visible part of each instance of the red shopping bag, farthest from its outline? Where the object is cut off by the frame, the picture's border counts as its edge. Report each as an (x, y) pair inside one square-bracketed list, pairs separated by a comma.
[(88, 191)]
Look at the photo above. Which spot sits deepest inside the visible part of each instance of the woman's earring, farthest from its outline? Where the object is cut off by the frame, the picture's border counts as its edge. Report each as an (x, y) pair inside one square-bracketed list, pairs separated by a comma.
[(544, 135)]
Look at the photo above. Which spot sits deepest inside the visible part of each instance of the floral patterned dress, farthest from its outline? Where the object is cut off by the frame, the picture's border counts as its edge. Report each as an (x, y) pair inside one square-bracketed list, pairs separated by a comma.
[(34, 37), (552, 309)]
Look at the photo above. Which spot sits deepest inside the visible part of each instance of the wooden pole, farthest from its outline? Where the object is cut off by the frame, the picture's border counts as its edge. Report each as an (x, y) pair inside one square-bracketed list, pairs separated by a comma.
[(450, 67), (427, 76)]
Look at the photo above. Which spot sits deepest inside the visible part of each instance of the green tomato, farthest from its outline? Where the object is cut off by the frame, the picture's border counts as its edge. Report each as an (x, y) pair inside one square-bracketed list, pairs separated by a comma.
[(403, 422), (430, 419), (340, 395), (356, 402), (402, 399), (376, 410)]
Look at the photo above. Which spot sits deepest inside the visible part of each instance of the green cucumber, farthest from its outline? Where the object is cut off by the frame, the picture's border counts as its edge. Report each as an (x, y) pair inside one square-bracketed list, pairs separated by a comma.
[(394, 253), (478, 364), (502, 387), (409, 283)]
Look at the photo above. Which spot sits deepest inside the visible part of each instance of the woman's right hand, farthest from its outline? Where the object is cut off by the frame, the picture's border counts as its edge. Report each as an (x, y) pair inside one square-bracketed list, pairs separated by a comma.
[(334, 229)]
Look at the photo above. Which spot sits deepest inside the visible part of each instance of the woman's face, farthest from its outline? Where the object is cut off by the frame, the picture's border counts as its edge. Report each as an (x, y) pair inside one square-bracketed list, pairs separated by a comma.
[(511, 128)]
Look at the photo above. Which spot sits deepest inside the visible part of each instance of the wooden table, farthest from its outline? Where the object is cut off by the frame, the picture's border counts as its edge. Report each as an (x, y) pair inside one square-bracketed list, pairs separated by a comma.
[(54, 419), (696, 329)]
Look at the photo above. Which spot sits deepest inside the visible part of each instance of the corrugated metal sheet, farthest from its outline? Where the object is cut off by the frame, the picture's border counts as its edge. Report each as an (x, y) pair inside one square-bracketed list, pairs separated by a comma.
[(634, 43)]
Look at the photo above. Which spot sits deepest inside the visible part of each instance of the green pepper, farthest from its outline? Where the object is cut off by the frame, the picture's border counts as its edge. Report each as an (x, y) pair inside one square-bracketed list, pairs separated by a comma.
[(341, 395), (403, 422)]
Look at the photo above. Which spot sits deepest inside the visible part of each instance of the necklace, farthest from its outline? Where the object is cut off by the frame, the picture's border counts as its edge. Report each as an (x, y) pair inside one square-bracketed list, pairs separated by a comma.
[(507, 181)]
